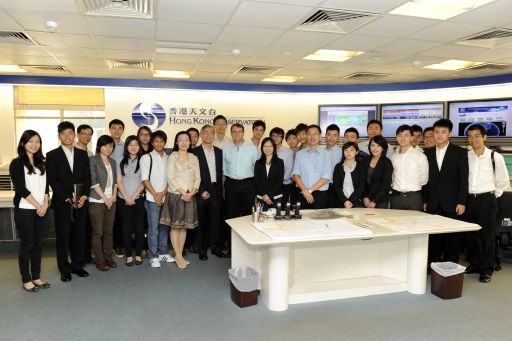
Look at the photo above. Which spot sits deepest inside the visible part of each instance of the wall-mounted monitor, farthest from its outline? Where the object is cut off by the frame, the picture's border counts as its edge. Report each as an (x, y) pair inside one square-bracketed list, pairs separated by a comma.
[(495, 115), (346, 116), (422, 114)]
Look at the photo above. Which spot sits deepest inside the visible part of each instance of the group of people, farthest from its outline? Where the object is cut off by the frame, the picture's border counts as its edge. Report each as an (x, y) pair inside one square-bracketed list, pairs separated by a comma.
[(144, 189)]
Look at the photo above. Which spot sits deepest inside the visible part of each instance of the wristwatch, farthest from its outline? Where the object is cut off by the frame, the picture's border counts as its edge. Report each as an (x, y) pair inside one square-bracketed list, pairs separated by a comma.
[(310, 191)]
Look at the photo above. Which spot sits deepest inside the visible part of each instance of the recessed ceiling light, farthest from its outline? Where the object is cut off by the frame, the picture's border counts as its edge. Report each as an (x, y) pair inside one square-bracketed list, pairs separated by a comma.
[(453, 64), (438, 9), (171, 74), (11, 68), (332, 55), (281, 79), (181, 47)]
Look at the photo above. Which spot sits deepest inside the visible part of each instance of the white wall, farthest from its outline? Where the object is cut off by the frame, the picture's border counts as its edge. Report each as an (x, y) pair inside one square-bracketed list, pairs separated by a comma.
[(7, 131)]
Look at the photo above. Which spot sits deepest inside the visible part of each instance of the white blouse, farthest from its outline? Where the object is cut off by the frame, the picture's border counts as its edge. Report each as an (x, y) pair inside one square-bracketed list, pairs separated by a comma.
[(36, 184)]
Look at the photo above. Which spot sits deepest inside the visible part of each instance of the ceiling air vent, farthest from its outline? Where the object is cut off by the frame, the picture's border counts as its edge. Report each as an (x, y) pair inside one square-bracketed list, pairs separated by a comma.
[(257, 70), (15, 38), (130, 64), (45, 68), (489, 39), (336, 21), (488, 67), (142, 9), (366, 76)]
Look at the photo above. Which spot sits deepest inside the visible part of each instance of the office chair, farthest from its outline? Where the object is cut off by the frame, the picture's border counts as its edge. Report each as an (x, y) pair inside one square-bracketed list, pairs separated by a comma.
[(503, 227)]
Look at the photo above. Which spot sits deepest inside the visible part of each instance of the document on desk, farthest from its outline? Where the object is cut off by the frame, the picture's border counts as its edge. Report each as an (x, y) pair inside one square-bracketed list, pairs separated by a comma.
[(418, 224), (311, 229)]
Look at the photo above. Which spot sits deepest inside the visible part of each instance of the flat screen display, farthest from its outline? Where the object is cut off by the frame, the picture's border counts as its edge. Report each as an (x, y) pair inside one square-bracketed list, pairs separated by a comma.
[(494, 115), (346, 116), (422, 114)]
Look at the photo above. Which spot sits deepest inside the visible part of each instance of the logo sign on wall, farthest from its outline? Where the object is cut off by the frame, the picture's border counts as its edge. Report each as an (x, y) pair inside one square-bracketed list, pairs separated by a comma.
[(148, 114)]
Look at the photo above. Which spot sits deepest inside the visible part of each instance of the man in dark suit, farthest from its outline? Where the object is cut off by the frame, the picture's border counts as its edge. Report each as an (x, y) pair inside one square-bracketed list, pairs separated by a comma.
[(209, 198), (69, 175), (446, 191)]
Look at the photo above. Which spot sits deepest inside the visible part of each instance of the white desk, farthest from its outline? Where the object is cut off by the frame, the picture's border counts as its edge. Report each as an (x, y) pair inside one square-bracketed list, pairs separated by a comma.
[(295, 271)]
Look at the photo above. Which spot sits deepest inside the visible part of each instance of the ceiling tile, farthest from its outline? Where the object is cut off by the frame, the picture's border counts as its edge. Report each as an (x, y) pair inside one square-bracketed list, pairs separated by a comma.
[(253, 35), (178, 57), (7, 23), (395, 26), (83, 62), (122, 27), (447, 32), (73, 51), (38, 5), (259, 14), (276, 51), (493, 14), (175, 66), (353, 42), (36, 21), (224, 59), (188, 32), (379, 6), (263, 61), (295, 2), (21, 50), (209, 76), (6, 61), (34, 60), (124, 43), (314, 40), (451, 51), (128, 54), (63, 40), (199, 11), (226, 49), (407, 46), (215, 67)]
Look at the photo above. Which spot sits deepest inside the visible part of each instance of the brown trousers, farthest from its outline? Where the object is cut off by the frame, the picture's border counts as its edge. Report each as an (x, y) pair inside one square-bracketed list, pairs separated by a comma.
[(102, 222)]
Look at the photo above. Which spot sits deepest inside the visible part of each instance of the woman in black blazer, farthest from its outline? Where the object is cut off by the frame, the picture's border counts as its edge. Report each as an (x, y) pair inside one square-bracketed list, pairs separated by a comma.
[(28, 174), (349, 192), (269, 174), (379, 171)]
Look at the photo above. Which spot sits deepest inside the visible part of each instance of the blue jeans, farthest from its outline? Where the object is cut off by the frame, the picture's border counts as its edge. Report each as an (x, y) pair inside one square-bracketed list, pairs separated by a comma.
[(158, 234)]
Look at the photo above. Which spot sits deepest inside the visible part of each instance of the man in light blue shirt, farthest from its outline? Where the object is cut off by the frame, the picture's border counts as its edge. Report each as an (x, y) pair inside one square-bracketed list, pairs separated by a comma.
[(312, 171), (285, 154), (238, 159), (332, 137)]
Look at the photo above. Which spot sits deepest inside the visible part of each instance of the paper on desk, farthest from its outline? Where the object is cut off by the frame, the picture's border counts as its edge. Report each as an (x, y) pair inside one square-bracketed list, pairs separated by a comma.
[(311, 229), (414, 223)]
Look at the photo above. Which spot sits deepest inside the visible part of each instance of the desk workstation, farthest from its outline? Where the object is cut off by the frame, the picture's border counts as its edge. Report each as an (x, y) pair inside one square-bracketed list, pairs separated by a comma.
[(356, 252)]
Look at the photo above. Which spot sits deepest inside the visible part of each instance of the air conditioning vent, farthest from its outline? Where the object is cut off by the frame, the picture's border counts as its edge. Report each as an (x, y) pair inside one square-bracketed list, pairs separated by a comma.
[(336, 21), (257, 70), (15, 38), (130, 64), (45, 68), (488, 67), (489, 39), (142, 9), (367, 76)]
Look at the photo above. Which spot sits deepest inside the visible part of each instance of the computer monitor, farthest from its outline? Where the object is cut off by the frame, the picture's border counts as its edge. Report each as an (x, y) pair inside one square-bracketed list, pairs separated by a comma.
[(346, 116), (422, 114), (495, 115)]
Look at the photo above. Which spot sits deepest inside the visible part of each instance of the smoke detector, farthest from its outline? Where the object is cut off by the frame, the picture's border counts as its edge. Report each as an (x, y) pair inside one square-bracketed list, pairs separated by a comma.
[(51, 25)]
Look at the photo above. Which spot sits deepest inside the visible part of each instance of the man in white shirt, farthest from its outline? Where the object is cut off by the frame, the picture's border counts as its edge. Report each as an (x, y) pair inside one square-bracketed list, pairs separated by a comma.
[(417, 133), (116, 130), (488, 178), (84, 134), (154, 178), (220, 123), (428, 137), (374, 128), (332, 137), (285, 154), (410, 173), (258, 129)]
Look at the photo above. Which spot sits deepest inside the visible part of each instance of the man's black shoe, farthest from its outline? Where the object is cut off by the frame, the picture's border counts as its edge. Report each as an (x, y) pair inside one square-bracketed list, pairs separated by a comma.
[(80, 273)]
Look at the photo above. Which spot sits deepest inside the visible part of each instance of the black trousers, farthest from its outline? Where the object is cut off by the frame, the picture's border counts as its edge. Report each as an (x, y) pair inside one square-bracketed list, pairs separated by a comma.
[(209, 231), (30, 231), (444, 247), (70, 236), (321, 200), (132, 222), (117, 232), (286, 190), (333, 200), (240, 195), (482, 210), (411, 201)]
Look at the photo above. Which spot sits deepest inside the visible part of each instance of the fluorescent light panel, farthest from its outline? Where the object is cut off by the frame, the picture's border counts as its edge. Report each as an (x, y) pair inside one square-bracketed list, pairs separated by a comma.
[(171, 74), (332, 55), (281, 79), (11, 68), (453, 65), (181, 47), (438, 9)]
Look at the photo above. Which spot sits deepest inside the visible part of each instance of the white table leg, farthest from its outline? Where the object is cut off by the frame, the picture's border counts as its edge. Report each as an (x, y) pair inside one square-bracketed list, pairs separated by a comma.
[(417, 264), (275, 287)]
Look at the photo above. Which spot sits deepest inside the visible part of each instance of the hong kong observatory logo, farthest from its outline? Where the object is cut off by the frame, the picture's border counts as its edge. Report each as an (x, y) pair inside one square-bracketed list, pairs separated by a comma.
[(148, 114)]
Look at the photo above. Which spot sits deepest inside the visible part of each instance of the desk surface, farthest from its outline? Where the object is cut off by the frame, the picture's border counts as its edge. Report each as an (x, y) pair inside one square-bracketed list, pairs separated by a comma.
[(381, 222)]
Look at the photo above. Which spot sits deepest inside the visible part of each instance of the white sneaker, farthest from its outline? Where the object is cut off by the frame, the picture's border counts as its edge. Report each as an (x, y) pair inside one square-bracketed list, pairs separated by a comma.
[(166, 258), (155, 262)]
